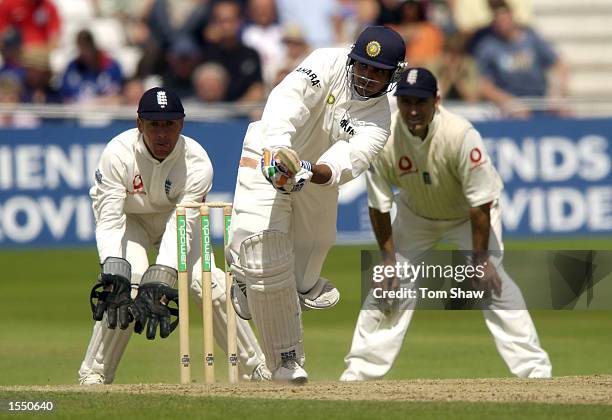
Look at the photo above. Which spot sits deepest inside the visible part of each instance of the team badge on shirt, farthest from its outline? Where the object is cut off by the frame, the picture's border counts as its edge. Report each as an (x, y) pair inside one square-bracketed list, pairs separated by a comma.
[(373, 49), (98, 176)]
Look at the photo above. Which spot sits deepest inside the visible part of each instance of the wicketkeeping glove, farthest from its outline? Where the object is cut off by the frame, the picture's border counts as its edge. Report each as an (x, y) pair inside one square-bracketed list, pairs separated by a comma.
[(151, 306), (111, 294), (283, 169)]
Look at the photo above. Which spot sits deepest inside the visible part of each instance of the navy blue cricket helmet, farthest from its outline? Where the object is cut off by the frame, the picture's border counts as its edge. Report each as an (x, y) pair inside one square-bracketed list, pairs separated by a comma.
[(380, 47)]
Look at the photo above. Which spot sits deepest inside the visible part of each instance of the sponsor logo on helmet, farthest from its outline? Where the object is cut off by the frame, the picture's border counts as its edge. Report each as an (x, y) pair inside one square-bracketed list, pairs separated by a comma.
[(373, 49)]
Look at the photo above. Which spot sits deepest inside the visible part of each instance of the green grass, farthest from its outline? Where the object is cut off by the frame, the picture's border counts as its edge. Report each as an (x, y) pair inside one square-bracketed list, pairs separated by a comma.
[(46, 325), (105, 406)]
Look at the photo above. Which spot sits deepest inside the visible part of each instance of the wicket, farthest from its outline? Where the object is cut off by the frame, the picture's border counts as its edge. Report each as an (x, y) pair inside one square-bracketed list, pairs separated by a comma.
[(183, 287)]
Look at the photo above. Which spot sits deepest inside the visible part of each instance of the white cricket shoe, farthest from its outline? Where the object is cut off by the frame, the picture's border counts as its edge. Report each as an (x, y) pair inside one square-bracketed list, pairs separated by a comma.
[(348, 376), (323, 295), (91, 379), (290, 372), (261, 373)]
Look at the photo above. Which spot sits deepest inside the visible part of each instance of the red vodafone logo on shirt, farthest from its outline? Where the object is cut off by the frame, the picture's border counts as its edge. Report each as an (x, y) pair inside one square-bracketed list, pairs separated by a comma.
[(406, 165), (475, 155), (476, 158), (137, 185)]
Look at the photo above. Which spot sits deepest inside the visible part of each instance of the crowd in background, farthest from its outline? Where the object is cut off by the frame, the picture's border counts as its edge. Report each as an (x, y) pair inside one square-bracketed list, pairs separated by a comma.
[(237, 50)]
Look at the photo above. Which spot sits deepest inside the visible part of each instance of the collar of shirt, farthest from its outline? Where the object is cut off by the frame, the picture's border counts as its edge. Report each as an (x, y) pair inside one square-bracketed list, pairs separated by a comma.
[(417, 141)]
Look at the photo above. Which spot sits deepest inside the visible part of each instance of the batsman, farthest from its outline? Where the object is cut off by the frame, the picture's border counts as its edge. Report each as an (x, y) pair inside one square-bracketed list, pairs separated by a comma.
[(143, 173), (321, 127)]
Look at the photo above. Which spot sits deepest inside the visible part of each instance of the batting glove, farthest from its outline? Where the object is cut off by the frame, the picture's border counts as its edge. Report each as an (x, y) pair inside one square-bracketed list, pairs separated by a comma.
[(283, 169)]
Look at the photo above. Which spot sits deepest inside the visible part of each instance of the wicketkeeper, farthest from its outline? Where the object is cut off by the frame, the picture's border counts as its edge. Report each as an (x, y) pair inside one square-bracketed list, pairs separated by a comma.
[(143, 173)]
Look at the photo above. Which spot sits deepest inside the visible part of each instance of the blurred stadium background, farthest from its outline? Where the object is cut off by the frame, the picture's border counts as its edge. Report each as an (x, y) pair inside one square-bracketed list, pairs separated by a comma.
[(74, 70), (554, 152)]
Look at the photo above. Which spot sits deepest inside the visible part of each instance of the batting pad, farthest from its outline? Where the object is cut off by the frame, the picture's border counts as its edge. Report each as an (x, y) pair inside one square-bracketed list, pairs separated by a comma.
[(104, 351), (268, 263)]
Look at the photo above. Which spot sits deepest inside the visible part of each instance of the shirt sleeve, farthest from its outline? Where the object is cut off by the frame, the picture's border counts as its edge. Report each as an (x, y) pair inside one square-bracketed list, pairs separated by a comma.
[(547, 56), (110, 193), (380, 191), (479, 179), (289, 104), (485, 59), (349, 159)]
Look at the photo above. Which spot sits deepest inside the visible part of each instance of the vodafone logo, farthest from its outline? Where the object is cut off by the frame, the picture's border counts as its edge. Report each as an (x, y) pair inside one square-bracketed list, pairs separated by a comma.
[(138, 185), (475, 155), (405, 165)]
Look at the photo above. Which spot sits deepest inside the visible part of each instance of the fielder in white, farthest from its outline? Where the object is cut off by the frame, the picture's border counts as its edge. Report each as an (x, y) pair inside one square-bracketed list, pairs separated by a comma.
[(321, 127), (448, 189), (143, 173)]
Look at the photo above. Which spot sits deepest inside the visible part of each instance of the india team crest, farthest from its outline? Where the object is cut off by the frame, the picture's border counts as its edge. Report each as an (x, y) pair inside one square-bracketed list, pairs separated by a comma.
[(373, 49)]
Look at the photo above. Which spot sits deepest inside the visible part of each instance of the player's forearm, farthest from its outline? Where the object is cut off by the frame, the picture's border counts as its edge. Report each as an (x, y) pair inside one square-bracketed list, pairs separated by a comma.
[(381, 225), (321, 173), (481, 225)]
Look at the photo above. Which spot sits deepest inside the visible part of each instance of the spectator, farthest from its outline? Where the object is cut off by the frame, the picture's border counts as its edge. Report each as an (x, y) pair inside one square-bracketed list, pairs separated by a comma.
[(296, 50), (163, 22), (388, 12), (424, 40), (264, 35), (316, 17), (37, 21), (133, 89), (10, 49), (457, 72), (514, 60), (226, 48), (37, 77), (472, 15), (182, 59), (210, 82), (296, 46), (93, 76), (353, 17)]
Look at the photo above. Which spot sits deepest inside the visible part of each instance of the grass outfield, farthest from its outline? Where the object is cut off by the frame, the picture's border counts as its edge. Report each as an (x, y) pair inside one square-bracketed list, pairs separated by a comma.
[(71, 405), (46, 325)]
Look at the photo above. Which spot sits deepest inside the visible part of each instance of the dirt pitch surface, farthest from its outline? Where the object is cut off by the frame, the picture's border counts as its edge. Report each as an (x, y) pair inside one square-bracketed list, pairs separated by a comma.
[(596, 389)]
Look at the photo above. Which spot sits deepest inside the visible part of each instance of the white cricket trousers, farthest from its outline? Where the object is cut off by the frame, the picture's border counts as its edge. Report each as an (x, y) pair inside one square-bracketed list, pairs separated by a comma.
[(307, 216), (143, 233), (378, 338)]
